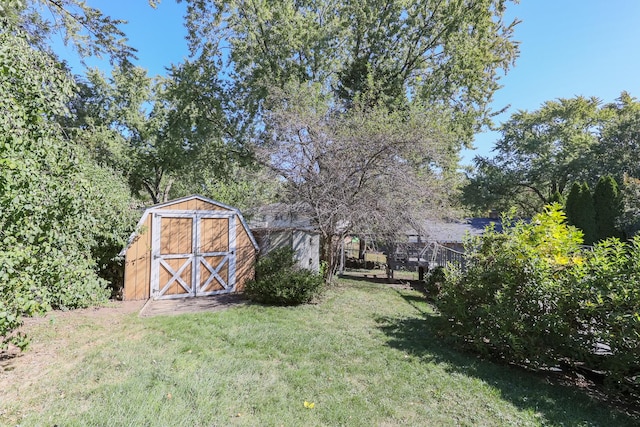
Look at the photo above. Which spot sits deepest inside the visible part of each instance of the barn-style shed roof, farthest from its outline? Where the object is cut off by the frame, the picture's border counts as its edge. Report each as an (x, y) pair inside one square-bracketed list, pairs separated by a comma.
[(181, 200)]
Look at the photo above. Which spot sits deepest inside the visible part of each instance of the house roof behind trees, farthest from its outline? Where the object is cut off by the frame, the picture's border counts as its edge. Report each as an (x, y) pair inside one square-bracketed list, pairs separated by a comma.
[(453, 231), (280, 216)]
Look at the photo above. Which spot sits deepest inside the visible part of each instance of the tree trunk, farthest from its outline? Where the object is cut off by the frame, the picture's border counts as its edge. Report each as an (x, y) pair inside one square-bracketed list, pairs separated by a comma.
[(165, 195), (155, 197), (331, 254)]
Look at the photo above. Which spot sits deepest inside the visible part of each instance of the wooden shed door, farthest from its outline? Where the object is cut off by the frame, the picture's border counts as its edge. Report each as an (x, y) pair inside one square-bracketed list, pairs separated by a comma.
[(193, 254)]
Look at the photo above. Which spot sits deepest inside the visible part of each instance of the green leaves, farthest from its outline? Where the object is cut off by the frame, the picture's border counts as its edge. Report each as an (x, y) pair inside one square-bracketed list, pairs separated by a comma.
[(84, 28), (609, 294), (584, 216), (540, 153), (49, 216), (375, 52), (607, 203), (596, 214), (157, 132), (617, 153), (531, 296), (279, 282)]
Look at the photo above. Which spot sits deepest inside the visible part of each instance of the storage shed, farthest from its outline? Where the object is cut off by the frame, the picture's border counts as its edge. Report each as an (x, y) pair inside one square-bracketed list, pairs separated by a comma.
[(304, 242), (277, 225), (188, 247)]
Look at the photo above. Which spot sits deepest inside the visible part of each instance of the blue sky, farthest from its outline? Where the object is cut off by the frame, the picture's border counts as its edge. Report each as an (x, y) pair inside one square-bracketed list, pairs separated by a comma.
[(568, 48)]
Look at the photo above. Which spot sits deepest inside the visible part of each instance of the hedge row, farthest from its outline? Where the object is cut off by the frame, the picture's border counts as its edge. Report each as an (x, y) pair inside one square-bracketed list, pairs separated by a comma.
[(532, 295)]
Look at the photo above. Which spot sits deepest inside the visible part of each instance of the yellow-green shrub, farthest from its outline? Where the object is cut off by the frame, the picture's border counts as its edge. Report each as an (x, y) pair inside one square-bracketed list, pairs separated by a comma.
[(532, 295)]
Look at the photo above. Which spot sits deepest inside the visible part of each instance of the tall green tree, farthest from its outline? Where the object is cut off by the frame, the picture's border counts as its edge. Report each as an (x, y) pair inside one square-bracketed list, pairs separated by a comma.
[(563, 141), (618, 151), (586, 215), (539, 153), (155, 131), (629, 220), (394, 52), (607, 203), (126, 121), (581, 212), (572, 204)]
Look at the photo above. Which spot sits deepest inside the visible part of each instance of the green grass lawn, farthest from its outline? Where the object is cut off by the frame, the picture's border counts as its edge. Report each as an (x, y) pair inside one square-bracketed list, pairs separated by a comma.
[(366, 355)]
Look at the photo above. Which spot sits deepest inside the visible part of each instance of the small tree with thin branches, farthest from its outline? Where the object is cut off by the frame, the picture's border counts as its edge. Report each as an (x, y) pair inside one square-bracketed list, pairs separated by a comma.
[(359, 170)]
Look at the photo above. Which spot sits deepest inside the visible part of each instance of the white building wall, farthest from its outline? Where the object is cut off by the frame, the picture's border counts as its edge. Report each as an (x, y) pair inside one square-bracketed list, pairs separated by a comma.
[(307, 248)]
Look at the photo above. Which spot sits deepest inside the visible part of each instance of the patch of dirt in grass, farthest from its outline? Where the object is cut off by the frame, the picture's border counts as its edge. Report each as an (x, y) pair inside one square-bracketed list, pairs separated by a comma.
[(402, 280), (626, 402), (21, 370), (113, 308)]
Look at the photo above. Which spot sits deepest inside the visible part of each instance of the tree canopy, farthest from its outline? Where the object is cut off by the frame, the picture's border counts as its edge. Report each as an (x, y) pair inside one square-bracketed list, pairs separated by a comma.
[(134, 129), (449, 53), (618, 152), (543, 151), (360, 107), (157, 131), (86, 29)]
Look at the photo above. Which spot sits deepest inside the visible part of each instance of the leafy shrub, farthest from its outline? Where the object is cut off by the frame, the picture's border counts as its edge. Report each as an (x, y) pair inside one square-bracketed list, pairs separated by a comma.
[(532, 296), (434, 281), (509, 302), (51, 226), (608, 283), (109, 202), (276, 261), (278, 281)]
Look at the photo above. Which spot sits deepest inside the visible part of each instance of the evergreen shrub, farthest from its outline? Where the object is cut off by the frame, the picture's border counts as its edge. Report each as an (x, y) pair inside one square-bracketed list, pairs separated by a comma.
[(279, 281), (434, 281), (607, 204)]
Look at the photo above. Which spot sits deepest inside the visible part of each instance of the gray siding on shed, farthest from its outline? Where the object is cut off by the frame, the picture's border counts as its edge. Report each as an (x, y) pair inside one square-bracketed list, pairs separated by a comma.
[(305, 243)]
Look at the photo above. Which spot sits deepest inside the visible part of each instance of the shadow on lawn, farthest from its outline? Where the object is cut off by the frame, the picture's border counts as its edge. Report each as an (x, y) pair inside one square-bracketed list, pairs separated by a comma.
[(559, 404)]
